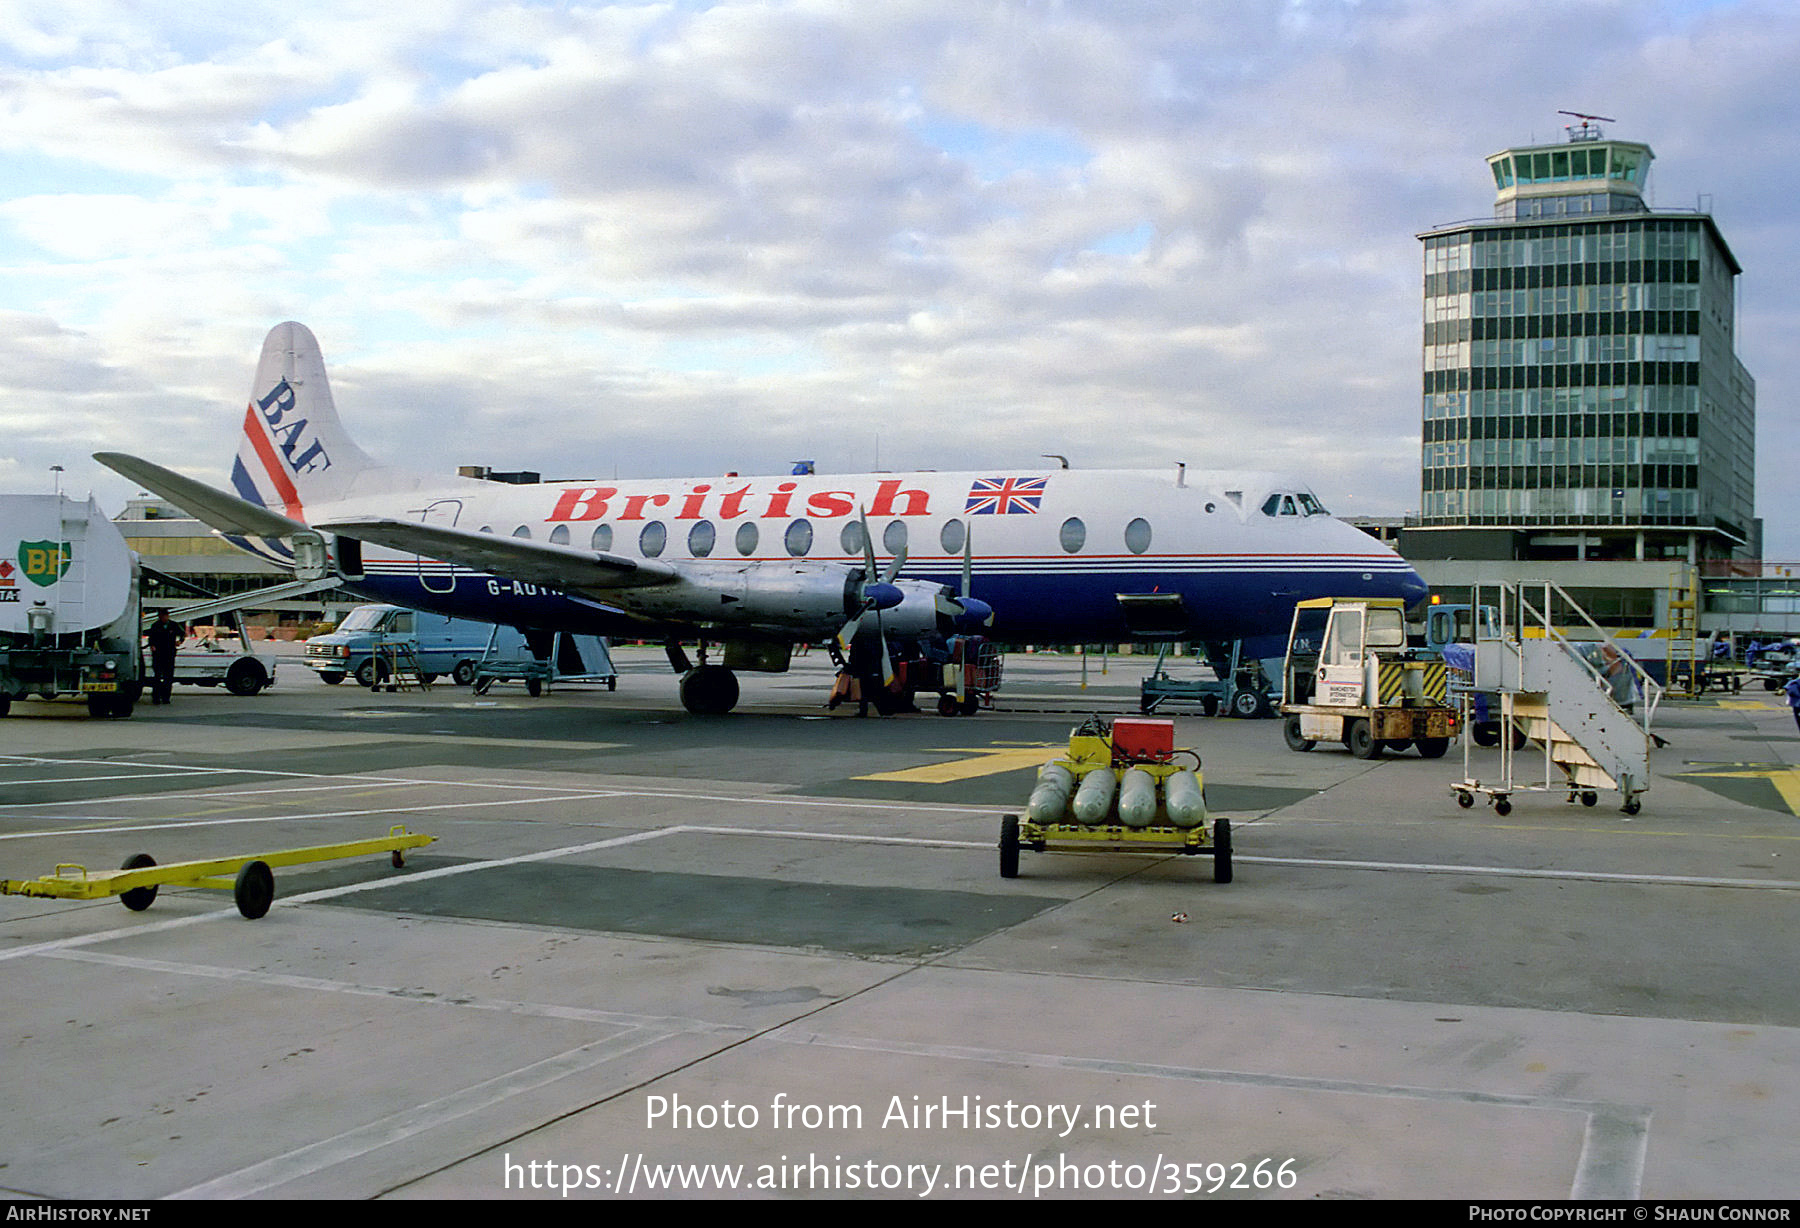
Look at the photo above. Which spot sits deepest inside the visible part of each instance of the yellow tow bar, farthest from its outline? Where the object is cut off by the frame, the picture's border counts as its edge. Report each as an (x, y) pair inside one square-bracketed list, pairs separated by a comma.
[(249, 878)]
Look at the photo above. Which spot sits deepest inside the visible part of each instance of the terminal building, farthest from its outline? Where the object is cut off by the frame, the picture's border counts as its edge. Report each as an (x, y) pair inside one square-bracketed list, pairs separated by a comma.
[(1585, 416)]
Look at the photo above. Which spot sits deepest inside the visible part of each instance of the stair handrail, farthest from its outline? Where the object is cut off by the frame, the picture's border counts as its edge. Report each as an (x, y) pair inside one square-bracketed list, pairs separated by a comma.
[(1652, 690)]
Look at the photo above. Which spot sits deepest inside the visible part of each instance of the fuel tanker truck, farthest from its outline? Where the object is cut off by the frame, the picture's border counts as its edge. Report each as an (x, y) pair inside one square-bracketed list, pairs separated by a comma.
[(69, 613)]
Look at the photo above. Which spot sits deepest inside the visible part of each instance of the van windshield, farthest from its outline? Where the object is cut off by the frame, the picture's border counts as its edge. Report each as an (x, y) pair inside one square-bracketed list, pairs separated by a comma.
[(362, 618)]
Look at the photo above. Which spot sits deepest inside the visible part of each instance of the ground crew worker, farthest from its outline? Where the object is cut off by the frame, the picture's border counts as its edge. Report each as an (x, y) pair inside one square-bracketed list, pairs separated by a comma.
[(1793, 697), (165, 636)]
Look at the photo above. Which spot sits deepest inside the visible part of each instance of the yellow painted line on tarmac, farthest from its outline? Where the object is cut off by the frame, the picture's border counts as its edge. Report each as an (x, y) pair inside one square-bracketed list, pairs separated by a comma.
[(985, 762), (1745, 705), (1785, 779)]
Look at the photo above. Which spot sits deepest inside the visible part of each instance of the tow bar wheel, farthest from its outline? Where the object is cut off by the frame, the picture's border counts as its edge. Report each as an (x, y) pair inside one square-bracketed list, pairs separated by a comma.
[(255, 889)]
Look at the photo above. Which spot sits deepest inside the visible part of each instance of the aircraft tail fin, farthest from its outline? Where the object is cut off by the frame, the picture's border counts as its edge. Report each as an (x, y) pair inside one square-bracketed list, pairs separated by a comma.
[(294, 452)]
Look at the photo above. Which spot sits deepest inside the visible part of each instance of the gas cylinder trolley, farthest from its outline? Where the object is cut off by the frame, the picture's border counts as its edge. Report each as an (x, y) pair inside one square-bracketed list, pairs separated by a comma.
[(1123, 787)]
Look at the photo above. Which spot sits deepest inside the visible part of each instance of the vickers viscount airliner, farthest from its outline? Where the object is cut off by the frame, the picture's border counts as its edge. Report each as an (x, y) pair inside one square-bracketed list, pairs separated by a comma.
[(753, 566)]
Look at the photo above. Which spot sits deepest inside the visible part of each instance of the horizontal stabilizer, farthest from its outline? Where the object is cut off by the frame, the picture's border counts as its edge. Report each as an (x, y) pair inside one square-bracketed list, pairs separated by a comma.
[(513, 557), (225, 512)]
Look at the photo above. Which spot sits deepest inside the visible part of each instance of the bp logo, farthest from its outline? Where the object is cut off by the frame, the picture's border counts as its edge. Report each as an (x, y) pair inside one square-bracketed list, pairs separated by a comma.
[(44, 562)]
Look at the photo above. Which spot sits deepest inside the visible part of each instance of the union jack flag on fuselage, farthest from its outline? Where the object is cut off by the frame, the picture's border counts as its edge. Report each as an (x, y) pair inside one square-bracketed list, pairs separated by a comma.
[(1005, 496)]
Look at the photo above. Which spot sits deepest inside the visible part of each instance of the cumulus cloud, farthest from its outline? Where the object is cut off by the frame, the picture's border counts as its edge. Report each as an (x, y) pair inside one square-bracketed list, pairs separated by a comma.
[(667, 237)]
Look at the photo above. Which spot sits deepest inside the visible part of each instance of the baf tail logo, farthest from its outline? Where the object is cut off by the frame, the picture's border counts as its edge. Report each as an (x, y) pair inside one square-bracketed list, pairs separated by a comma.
[(44, 563)]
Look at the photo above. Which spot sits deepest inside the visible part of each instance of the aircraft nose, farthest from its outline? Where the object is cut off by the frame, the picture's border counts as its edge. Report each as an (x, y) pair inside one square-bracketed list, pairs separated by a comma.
[(1413, 588)]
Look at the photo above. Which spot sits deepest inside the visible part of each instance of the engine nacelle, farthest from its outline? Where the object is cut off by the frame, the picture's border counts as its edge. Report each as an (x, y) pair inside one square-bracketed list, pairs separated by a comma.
[(807, 600)]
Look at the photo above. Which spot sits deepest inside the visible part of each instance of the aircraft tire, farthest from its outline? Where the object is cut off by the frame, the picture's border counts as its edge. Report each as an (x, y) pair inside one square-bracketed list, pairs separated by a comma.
[(709, 690), (254, 890), (138, 898)]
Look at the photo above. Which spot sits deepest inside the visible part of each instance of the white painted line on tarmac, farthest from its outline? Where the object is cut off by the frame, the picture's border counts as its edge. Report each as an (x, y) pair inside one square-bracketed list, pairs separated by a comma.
[(395, 1127), (1614, 1142), (313, 984)]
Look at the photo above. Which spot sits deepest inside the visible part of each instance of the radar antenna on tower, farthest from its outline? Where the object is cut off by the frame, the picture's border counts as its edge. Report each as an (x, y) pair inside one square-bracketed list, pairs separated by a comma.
[(1590, 125)]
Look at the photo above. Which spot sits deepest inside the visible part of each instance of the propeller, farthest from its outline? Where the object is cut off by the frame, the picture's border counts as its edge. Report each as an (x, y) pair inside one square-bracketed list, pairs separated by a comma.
[(963, 612), (877, 595)]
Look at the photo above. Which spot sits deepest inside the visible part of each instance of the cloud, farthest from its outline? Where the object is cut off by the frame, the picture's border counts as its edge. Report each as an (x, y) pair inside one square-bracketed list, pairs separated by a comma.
[(736, 233)]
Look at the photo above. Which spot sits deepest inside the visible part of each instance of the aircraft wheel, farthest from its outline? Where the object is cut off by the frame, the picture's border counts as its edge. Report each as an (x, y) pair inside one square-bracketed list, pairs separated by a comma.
[(330, 677), (255, 889), (1362, 741), (1432, 748), (464, 673), (1222, 851), (1248, 705), (245, 678), (138, 898), (1009, 846), (1290, 733), (709, 690)]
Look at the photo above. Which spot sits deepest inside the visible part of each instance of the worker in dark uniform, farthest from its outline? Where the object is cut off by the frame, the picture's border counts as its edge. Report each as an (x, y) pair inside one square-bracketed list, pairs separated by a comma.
[(165, 636)]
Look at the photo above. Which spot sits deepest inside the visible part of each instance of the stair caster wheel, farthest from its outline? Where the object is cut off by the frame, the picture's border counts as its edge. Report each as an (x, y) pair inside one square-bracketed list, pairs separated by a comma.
[(1590, 798), (1632, 805), (1502, 806), (1465, 800)]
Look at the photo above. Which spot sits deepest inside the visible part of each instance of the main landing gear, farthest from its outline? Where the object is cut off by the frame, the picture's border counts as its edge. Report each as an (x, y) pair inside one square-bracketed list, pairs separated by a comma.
[(706, 690), (709, 690)]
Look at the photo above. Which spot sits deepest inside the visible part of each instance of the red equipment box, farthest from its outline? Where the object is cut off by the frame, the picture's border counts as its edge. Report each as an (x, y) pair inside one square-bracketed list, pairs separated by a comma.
[(1143, 739)]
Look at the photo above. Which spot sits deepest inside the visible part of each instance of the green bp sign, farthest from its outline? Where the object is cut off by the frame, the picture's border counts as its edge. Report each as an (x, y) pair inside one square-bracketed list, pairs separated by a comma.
[(44, 563)]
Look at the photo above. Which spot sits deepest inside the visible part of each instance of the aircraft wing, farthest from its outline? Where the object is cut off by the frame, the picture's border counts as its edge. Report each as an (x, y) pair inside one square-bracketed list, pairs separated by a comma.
[(561, 567), (211, 506)]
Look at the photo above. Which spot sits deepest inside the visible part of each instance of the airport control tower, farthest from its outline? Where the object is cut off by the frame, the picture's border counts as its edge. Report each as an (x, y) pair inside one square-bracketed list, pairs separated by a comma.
[(1582, 396)]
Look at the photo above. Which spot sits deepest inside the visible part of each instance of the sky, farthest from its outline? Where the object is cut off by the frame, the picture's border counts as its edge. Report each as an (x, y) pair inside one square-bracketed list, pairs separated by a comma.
[(676, 239)]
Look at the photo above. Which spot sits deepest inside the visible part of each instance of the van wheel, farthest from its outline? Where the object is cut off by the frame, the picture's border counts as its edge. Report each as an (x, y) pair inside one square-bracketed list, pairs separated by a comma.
[(330, 677), (371, 673), (464, 673)]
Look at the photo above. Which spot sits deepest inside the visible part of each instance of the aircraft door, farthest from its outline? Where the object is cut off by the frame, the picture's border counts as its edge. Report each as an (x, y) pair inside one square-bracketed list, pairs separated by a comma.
[(435, 576)]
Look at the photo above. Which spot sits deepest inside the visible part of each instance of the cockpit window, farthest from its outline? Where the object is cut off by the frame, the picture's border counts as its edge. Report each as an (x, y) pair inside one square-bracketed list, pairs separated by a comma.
[(1310, 506), (1291, 503)]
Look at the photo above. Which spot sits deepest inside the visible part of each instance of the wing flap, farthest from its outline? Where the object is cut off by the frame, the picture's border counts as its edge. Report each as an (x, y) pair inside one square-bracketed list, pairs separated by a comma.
[(562, 567)]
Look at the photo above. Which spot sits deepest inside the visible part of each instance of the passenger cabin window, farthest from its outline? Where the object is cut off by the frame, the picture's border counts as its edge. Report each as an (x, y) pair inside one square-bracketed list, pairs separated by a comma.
[(652, 540), (1074, 534), (602, 539), (851, 539), (953, 536), (746, 538), (893, 538), (701, 539), (559, 536), (1137, 536), (523, 531), (798, 538)]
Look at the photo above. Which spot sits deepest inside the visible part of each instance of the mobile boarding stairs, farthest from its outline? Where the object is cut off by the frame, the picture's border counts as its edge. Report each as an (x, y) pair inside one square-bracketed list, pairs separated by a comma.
[(1567, 705)]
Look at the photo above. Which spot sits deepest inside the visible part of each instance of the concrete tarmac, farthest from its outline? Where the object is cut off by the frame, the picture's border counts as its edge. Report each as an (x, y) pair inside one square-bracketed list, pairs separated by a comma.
[(771, 955)]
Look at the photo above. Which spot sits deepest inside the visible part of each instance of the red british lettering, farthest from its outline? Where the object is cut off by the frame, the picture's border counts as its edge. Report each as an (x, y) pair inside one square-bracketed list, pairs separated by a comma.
[(582, 503)]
